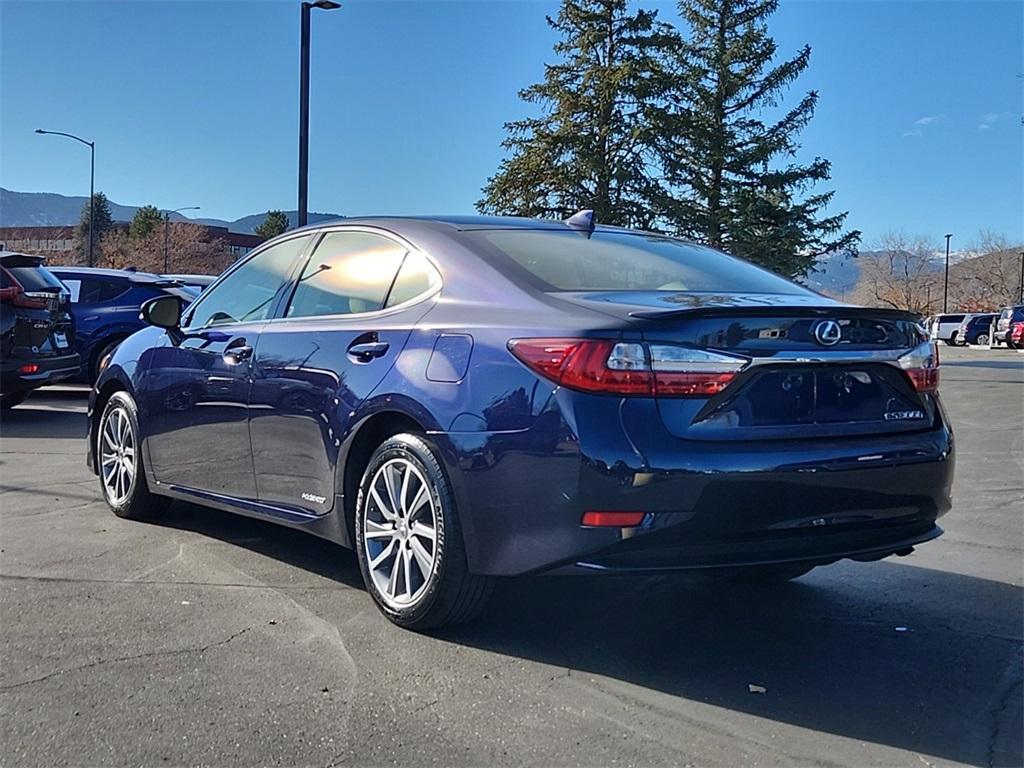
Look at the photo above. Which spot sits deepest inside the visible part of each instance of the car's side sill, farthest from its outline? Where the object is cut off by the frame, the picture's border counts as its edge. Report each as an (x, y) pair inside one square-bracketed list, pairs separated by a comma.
[(235, 504)]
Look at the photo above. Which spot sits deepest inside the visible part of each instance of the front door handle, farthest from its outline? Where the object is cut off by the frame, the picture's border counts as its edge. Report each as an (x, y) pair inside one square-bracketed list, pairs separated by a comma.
[(236, 355), (365, 351)]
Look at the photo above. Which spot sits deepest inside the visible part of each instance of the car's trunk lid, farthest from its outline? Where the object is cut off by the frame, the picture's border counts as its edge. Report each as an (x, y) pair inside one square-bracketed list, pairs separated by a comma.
[(817, 367)]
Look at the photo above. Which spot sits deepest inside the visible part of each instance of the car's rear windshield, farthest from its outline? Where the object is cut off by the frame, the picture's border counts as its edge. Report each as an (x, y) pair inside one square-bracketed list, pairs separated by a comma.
[(553, 260), (36, 278)]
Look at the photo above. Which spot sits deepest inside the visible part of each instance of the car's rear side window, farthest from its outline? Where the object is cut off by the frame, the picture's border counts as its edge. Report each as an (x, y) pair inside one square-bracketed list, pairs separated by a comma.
[(416, 277), (97, 290), (348, 273), (556, 260)]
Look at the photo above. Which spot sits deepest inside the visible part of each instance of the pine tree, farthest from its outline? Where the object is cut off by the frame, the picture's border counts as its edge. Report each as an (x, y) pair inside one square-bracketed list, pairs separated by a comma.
[(104, 222), (145, 220), (591, 147), (275, 224), (731, 178)]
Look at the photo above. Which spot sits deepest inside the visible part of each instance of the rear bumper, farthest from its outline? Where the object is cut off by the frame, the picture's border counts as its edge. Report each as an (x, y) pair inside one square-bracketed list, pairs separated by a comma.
[(667, 553), (50, 371), (522, 496)]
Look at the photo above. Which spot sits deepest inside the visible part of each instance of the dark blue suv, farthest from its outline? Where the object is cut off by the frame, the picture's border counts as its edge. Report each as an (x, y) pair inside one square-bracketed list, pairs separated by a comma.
[(105, 304)]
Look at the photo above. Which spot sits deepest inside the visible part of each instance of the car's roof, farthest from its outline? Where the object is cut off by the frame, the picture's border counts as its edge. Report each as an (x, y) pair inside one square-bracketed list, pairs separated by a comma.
[(124, 274), (461, 222)]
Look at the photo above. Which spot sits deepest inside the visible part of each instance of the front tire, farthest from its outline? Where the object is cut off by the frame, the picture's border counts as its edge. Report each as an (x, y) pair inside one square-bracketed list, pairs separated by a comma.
[(119, 461), (982, 340), (408, 539)]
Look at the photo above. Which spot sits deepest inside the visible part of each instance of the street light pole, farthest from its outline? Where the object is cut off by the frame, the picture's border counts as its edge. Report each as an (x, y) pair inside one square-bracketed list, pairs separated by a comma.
[(945, 285), (327, 5), (92, 183), (167, 223)]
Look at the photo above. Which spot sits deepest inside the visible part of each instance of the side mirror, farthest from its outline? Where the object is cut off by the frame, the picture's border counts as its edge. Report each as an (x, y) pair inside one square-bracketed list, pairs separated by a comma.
[(162, 311)]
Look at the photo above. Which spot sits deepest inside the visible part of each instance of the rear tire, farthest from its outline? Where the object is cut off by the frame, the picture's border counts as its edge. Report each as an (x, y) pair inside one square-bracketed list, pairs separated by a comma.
[(951, 341), (120, 464), (12, 399), (408, 539)]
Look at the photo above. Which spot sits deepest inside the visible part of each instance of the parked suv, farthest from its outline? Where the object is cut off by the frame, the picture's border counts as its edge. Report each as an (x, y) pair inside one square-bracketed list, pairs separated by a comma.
[(105, 303), (975, 329), (946, 328), (36, 330), (1007, 317)]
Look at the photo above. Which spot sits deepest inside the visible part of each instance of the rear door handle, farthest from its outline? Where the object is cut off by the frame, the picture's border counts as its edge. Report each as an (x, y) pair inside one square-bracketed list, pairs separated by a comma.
[(236, 355), (365, 351)]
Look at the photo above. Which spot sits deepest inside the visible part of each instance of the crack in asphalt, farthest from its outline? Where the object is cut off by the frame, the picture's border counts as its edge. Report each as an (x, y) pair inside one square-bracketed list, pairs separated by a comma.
[(1012, 680), (119, 659)]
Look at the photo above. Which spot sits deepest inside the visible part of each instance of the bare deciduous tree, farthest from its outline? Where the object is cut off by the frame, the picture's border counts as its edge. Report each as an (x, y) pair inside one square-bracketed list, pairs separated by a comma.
[(989, 280), (900, 274), (189, 248)]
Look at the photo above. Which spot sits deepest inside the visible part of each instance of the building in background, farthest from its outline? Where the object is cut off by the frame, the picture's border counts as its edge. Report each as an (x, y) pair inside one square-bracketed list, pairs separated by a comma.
[(58, 243)]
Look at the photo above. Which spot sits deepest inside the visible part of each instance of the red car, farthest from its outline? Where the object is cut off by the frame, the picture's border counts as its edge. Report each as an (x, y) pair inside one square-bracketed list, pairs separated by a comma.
[(1016, 336)]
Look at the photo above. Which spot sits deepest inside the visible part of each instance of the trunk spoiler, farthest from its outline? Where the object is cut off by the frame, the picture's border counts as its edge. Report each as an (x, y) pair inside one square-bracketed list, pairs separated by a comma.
[(844, 312)]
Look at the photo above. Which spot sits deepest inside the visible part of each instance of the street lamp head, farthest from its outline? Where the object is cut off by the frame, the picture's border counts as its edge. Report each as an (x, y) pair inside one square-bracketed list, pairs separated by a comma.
[(40, 130), (325, 5), (948, 236)]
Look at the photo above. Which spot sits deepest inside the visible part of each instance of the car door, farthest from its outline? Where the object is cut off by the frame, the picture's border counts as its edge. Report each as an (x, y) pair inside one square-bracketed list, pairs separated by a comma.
[(195, 389), (351, 313)]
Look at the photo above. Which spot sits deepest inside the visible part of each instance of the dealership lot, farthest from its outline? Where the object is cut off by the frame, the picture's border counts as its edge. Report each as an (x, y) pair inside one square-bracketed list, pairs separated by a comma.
[(208, 639)]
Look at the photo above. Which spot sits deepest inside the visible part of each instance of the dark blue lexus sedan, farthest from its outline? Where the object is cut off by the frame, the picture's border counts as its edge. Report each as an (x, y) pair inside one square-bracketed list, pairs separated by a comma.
[(465, 398)]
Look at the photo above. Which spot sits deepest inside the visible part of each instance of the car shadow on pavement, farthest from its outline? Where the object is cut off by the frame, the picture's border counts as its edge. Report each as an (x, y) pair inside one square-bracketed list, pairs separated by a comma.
[(296, 548), (913, 658), (885, 652)]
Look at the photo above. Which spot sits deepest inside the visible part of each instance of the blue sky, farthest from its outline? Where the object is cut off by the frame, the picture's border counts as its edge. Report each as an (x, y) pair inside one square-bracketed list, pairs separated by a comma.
[(194, 103)]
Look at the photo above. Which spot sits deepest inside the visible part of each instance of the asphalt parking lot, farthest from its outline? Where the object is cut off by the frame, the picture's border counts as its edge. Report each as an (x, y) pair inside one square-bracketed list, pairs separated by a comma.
[(208, 639)]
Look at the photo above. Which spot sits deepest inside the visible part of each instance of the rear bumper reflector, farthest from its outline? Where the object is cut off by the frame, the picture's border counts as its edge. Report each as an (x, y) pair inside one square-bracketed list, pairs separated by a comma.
[(593, 519)]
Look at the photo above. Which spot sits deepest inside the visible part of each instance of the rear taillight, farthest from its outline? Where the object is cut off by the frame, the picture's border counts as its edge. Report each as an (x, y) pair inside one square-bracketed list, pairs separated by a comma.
[(613, 367), (16, 297), (921, 364)]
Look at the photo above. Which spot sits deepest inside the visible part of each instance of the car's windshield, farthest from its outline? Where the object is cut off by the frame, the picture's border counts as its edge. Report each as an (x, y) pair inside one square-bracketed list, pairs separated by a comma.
[(555, 260)]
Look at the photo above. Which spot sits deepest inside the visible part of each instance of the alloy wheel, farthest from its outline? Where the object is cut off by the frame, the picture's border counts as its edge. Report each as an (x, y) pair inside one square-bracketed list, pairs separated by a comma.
[(117, 455), (400, 533)]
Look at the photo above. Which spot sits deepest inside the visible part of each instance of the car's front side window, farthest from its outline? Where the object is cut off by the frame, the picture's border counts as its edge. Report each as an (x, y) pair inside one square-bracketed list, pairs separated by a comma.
[(248, 294), (348, 273)]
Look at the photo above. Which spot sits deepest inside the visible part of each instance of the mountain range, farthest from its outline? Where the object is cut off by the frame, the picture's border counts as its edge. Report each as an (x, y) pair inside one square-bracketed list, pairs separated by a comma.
[(47, 209)]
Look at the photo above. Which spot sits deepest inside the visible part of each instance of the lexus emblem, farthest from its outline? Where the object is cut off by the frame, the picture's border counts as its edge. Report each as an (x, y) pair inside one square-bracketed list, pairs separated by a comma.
[(828, 333)]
